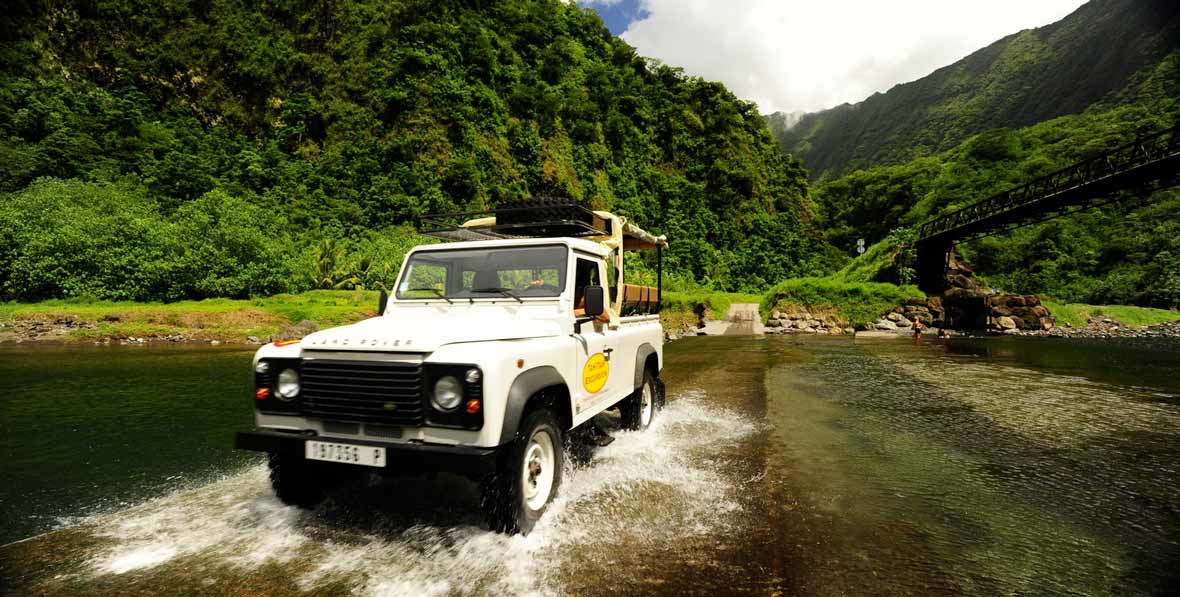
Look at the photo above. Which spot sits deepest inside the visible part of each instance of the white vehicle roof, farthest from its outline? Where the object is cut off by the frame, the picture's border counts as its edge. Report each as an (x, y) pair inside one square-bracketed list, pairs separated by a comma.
[(589, 246)]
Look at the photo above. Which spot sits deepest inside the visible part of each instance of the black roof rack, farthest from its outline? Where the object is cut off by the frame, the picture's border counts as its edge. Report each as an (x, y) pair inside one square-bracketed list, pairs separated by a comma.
[(540, 217)]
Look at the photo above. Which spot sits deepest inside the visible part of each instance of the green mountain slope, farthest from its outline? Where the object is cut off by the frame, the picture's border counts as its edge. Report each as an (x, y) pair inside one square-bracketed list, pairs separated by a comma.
[(1020, 80), (332, 120), (1127, 252)]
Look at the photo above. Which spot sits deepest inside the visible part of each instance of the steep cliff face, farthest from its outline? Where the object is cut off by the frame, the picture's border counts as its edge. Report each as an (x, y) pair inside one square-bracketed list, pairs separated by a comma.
[(781, 122), (1025, 78)]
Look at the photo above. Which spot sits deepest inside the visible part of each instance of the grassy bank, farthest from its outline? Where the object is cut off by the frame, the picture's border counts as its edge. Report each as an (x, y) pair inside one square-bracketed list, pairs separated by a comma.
[(229, 320), (214, 319), (1076, 314), (855, 303)]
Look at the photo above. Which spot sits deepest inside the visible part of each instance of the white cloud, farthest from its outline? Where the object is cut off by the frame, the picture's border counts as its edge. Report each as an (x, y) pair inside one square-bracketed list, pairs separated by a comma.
[(813, 54)]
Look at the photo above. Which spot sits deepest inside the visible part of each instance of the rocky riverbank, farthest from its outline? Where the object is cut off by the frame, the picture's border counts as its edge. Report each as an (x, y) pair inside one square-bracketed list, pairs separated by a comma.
[(76, 330), (804, 322), (1105, 327)]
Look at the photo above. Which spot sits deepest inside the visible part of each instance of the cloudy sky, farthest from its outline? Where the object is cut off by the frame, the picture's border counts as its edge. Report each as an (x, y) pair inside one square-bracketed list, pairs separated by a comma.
[(813, 54)]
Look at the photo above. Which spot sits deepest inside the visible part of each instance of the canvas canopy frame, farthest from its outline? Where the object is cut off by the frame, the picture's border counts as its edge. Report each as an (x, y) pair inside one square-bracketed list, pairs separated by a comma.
[(548, 220)]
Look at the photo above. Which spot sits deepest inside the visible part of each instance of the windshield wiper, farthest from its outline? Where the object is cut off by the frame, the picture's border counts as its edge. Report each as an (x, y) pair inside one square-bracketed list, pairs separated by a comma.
[(436, 291), (503, 291)]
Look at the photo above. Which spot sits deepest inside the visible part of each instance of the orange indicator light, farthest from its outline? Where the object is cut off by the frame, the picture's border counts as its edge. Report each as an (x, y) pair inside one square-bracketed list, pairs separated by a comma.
[(520, 363), (285, 342), (262, 393), (472, 407)]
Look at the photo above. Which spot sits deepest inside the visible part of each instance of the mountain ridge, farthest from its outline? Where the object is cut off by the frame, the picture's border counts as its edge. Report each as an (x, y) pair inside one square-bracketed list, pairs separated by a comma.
[(1023, 78)]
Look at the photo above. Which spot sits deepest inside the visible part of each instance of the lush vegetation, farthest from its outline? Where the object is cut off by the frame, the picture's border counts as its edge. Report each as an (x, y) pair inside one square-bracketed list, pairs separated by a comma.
[(1023, 79), (1125, 252), (114, 241), (167, 151), (181, 151)]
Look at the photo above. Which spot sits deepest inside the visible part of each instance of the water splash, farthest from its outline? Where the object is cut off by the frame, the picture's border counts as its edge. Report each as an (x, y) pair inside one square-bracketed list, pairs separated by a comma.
[(438, 547)]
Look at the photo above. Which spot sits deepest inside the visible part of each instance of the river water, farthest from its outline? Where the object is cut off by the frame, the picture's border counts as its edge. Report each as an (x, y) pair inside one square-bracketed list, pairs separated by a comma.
[(781, 465)]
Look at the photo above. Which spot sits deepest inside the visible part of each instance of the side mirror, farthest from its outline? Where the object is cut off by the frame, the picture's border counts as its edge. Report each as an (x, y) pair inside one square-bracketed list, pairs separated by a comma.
[(382, 302), (595, 301)]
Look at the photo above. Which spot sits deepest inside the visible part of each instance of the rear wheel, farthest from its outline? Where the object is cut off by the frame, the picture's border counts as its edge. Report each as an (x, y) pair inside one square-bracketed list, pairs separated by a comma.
[(528, 478), (639, 409)]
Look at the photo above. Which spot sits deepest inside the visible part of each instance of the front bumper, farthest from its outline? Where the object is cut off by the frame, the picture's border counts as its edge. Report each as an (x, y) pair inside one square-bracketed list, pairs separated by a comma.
[(471, 462)]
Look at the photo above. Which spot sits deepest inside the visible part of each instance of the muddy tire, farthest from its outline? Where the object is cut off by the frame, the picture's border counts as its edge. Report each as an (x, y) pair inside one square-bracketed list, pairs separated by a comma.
[(639, 409), (528, 478), (297, 482)]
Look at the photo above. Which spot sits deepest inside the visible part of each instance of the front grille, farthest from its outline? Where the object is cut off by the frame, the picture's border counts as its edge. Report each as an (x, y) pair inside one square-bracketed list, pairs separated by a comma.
[(363, 391)]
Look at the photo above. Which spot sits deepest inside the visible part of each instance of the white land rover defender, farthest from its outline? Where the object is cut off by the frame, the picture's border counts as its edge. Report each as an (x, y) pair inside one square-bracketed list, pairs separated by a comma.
[(489, 353)]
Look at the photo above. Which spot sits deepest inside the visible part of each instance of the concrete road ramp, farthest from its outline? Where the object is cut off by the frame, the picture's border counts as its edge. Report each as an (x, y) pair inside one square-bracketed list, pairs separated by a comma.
[(742, 319)]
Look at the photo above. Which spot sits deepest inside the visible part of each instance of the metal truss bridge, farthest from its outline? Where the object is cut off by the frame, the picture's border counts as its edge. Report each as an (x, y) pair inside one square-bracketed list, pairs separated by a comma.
[(1139, 167)]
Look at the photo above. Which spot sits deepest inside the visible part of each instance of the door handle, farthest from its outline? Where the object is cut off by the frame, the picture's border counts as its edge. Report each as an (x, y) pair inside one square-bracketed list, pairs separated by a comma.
[(606, 353)]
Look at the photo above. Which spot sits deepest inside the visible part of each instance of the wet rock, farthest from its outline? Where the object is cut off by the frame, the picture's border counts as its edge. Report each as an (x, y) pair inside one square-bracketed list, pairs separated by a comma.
[(963, 293), (253, 340), (885, 324), (1006, 323), (297, 331), (899, 321)]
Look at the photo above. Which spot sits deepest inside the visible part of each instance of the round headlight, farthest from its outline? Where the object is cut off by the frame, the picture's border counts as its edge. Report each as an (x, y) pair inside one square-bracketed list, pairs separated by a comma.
[(288, 386), (448, 393), (472, 376)]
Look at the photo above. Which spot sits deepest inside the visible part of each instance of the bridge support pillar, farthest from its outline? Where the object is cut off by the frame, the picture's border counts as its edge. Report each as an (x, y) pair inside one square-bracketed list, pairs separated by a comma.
[(933, 257)]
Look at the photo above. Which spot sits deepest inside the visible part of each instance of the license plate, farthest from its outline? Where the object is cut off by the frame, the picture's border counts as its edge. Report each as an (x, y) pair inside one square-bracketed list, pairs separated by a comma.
[(347, 453)]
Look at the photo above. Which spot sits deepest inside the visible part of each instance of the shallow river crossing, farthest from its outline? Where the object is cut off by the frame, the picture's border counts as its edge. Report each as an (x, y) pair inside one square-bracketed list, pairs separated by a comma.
[(809, 466)]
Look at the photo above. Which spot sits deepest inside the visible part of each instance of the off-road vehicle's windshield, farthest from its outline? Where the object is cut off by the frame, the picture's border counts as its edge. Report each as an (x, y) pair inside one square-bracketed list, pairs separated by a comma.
[(513, 273)]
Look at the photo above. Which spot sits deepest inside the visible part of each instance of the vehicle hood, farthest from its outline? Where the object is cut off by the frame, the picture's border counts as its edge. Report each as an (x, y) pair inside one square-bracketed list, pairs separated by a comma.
[(423, 331)]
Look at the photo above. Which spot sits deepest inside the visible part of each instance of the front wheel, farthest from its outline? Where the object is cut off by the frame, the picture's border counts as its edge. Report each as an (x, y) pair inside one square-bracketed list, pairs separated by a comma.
[(296, 481), (527, 481), (639, 409)]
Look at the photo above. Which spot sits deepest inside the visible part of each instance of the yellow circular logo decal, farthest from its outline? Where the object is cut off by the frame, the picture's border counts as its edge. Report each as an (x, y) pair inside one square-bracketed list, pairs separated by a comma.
[(595, 372)]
